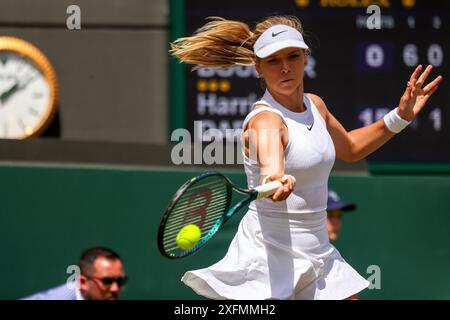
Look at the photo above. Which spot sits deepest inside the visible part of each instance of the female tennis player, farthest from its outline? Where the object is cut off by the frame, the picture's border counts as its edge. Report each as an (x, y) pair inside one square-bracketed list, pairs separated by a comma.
[(281, 249)]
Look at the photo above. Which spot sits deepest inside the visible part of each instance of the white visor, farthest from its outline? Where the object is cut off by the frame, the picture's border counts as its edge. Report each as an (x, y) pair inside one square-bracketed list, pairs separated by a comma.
[(276, 38)]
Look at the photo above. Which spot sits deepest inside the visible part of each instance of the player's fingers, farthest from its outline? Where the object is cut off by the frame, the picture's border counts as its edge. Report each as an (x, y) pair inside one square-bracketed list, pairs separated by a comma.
[(277, 194), (287, 191), (432, 84), (430, 93), (283, 194), (286, 188), (424, 76), (282, 191), (416, 90), (404, 100), (415, 73), (290, 184), (286, 185)]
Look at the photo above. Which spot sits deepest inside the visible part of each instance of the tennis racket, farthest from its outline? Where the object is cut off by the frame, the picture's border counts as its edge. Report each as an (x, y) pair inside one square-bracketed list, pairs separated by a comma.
[(205, 202)]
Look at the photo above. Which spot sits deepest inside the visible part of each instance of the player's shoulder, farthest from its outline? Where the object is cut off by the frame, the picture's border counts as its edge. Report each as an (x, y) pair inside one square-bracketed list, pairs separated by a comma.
[(266, 117), (319, 103)]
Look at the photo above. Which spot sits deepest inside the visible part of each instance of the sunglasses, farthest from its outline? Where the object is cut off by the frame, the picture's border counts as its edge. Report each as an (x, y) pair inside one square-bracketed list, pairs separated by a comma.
[(108, 281)]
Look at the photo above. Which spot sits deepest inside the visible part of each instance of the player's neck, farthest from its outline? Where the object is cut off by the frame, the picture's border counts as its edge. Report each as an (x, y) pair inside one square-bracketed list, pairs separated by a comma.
[(293, 102)]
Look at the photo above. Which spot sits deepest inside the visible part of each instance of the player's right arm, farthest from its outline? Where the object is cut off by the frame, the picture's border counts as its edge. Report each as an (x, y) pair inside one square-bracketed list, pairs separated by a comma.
[(266, 138)]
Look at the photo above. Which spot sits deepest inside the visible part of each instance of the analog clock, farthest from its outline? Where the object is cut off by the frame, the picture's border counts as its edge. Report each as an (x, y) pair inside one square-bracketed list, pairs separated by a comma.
[(28, 89)]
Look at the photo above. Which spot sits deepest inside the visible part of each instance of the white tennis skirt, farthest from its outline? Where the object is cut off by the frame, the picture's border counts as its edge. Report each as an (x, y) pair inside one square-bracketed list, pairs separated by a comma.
[(274, 256)]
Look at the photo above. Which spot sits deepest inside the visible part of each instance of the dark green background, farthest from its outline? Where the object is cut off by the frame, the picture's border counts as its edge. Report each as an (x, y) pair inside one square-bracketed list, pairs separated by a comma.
[(50, 214)]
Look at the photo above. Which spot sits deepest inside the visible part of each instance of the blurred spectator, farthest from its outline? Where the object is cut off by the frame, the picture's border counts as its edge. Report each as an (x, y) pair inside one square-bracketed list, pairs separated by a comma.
[(102, 276), (335, 209)]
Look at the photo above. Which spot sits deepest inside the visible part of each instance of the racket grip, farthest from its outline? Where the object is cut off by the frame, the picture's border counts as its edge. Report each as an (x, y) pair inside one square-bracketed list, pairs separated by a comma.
[(268, 189)]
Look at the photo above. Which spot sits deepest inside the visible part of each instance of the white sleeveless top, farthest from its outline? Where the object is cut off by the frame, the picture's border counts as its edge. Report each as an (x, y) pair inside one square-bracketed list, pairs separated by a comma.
[(309, 157)]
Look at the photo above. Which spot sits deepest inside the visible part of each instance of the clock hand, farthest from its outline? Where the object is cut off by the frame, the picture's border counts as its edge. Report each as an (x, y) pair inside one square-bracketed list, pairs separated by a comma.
[(5, 95), (16, 87), (23, 85)]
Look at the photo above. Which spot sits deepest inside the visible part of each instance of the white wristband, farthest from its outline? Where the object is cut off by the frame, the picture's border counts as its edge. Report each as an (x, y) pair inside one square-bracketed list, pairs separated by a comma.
[(394, 122)]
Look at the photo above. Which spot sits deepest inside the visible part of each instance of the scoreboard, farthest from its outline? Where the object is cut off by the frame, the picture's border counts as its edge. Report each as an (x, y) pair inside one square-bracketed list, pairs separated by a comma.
[(359, 68)]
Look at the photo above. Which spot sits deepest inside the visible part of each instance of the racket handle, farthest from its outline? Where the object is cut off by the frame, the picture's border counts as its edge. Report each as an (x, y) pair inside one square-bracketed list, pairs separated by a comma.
[(268, 189)]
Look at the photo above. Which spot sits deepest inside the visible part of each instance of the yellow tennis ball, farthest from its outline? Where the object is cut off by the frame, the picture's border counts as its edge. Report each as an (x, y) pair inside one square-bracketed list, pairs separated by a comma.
[(188, 236)]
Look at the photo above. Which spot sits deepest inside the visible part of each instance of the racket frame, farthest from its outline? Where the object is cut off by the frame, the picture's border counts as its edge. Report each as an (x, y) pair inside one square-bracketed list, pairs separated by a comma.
[(227, 214)]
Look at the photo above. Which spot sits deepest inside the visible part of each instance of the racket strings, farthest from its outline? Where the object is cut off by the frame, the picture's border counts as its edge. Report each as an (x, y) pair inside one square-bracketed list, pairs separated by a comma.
[(207, 224), (192, 203), (202, 204), (180, 221)]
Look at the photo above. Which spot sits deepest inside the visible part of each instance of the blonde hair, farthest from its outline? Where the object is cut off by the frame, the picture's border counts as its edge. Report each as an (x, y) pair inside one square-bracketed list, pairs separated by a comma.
[(223, 43)]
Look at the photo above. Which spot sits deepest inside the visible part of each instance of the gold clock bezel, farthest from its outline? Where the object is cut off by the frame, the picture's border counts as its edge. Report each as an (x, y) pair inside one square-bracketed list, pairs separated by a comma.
[(38, 58)]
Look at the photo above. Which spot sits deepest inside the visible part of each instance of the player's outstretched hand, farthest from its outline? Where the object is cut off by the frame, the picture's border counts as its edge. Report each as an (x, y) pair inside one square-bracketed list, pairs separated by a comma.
[(415, 97)]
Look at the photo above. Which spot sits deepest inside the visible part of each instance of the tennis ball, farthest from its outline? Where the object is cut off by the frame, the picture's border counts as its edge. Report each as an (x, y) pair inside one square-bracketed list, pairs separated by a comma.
[(188, 236)]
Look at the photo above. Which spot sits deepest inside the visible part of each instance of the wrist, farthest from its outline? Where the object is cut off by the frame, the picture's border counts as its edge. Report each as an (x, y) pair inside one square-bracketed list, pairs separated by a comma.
[(394, 122), (402, 115)]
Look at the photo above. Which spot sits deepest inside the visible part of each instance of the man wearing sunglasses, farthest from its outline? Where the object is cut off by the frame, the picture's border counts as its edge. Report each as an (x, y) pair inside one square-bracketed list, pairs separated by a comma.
[(102, 277)]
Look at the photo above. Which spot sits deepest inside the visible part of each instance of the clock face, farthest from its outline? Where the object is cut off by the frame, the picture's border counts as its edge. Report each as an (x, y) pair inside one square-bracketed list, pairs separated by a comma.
[(25, 96)]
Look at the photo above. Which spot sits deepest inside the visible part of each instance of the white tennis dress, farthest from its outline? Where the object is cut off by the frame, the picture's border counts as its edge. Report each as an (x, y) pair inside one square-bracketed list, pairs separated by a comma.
[(281, 249)]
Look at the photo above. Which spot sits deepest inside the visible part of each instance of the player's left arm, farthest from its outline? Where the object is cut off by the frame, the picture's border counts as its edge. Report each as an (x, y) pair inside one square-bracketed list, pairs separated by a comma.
[(357, 144)]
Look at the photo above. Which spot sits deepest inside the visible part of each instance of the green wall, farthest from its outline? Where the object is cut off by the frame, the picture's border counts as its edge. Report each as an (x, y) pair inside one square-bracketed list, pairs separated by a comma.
[(50, 214)]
